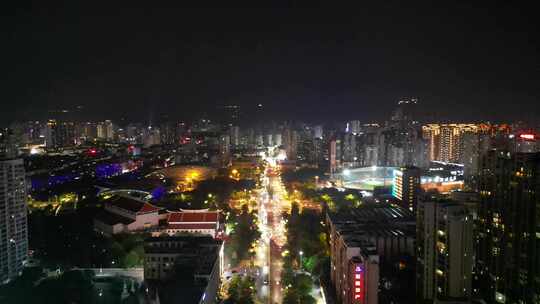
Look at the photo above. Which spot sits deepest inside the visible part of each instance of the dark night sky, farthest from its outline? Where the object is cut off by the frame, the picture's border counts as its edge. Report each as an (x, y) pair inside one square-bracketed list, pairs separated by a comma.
[(463, 62)]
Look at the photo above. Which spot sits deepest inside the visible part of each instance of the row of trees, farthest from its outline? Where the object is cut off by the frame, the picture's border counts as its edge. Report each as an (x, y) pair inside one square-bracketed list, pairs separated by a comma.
[(241, 290), (307, 240), (245, 232), (307, 256), (298, 289)]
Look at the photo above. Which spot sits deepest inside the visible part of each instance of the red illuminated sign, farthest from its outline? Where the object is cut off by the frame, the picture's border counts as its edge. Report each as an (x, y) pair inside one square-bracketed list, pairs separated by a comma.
[(358, 283), (527, 136)]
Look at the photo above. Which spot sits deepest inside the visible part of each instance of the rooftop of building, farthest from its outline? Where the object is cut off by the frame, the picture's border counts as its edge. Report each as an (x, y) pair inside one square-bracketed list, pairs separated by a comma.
[(375, 220), (199, 252), (184, 244), (191, 226), (132, 204), (354, 240), (374, 231), (192, 217), (374, 212)]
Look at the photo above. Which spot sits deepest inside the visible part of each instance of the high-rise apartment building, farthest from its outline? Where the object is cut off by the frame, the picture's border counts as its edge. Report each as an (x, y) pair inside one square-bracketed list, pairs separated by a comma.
[(290, 142), (334, 155), (445, 251), (13, 222), (526, 142), (349, 148), (109, 127), (59, 133), (445, 140), (470, 155), (234, 133), (101, 130), (508, 259), (105, 130), (406, 186)]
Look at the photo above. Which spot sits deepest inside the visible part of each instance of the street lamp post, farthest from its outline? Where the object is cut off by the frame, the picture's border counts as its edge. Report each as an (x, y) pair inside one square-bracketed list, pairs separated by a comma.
[(301, 254)]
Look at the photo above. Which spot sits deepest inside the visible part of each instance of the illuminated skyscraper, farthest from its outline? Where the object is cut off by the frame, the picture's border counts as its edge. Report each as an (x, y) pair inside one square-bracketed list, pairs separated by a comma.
[(445, 142), (406, 186)]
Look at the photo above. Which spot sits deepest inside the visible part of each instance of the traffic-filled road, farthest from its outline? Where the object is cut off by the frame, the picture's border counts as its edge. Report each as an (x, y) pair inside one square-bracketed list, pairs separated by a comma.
[(273, 238)]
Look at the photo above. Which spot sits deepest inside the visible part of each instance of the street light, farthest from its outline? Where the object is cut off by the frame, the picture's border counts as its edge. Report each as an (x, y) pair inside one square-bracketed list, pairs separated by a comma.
[(301, 254)]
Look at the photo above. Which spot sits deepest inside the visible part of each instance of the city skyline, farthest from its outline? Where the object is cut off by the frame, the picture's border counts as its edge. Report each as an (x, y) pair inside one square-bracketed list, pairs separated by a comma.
[(387, 153)]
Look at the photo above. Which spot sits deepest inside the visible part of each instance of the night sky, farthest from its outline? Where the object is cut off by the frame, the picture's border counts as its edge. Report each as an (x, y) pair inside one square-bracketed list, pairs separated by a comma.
[(317, 64)]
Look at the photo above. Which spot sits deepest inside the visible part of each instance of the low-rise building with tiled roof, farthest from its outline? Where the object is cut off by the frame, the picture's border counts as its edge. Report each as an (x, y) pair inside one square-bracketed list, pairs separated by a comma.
[(192, 221), (125, 214)]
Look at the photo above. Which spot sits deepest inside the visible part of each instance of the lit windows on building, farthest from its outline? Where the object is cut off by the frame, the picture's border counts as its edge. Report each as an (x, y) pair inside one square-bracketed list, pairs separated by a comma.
[(406, 184)]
